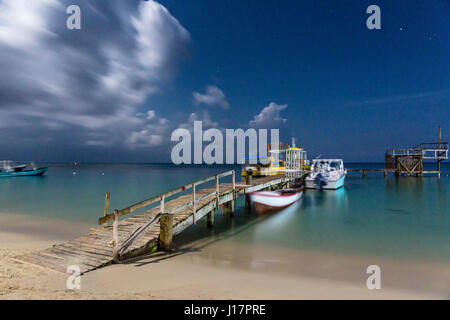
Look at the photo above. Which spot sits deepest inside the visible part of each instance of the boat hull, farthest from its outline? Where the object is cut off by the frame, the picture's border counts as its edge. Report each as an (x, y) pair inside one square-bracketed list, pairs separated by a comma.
[(24, 173), (270, 201), (331, 185)]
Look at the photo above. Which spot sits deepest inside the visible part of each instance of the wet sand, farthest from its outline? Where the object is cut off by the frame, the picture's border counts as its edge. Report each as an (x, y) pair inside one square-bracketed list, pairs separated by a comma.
[(210, 269)]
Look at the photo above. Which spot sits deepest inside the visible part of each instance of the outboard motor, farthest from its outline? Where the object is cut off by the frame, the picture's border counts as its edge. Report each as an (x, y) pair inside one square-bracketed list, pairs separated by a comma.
[(298, 183), (320, 181)]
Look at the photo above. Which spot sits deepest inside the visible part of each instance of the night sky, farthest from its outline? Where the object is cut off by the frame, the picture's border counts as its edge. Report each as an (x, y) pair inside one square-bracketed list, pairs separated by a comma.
[(116, 89)]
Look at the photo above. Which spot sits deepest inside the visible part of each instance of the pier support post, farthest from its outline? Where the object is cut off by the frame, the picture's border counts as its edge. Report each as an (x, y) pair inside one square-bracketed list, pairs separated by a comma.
[(194, 203), (115, 241), (248, 181), (231, 208), (248, 205), (439, 146), (166, 232), (105, 212), (210, 219)]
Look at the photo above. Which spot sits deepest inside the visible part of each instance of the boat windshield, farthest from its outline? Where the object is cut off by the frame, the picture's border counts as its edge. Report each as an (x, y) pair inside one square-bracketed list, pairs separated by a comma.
[(327, 165)]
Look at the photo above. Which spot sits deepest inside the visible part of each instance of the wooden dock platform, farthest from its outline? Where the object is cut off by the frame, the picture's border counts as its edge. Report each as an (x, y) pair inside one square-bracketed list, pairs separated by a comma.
[(152, 229)]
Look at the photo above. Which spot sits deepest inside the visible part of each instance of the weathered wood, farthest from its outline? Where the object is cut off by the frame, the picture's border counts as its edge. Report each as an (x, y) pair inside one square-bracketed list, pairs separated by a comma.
[(115, 240), (144, 229), (166, 233), (105, 212), (163, 197)]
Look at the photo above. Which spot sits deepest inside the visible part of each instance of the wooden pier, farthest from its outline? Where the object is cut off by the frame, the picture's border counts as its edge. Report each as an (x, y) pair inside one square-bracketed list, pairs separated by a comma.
[(152, 229), (410, 161)]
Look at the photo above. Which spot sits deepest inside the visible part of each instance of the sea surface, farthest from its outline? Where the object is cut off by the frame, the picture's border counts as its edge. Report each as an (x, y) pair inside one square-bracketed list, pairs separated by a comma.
[(396, 217)]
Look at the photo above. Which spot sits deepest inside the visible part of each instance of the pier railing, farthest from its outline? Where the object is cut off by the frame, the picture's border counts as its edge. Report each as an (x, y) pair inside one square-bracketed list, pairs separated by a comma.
[(428, 150), (114, 216)]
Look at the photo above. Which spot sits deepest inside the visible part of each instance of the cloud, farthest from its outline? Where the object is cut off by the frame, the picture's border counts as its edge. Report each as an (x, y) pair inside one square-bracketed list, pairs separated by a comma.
[(204, 116), (154, 131), (90, 81), (269, 117), (212, 97)]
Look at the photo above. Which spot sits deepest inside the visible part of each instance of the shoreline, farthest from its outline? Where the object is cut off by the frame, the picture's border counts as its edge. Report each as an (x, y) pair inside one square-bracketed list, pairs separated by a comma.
[(214, 269)]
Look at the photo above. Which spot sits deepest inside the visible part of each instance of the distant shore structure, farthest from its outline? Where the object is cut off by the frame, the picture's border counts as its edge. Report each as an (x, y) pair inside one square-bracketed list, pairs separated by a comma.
[(409, 161)]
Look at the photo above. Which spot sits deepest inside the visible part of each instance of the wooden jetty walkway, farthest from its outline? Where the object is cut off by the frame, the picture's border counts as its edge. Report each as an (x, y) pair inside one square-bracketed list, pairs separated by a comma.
[(410, 161), (152, 229)]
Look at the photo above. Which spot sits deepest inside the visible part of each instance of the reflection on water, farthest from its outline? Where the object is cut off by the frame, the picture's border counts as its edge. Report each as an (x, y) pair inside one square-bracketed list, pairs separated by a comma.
[(395, 217)]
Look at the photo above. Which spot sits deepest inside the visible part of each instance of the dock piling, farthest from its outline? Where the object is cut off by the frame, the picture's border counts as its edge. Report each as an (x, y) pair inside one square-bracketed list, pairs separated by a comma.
[(248, 181), (115, 240), (231, 208), (210, 219), (105, 211), (166, 232)]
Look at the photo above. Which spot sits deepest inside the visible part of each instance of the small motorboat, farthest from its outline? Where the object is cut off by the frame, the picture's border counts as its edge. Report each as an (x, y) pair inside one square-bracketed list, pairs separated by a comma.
[(9, 170), (264, 201), (11, 166), (326, 174)]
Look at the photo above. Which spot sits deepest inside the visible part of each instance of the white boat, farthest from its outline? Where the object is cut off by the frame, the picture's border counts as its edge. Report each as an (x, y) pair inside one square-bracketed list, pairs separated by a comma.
[(326, 174), (273, 200)]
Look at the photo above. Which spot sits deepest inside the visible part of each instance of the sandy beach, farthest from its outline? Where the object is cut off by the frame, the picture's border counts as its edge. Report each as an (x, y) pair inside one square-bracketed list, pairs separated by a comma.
[(209, 269)]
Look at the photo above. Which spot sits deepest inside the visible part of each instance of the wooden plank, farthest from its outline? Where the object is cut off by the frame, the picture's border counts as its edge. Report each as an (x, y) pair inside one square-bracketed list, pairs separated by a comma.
[(38, 262), (105, 249), (89, 250), (76, 259), (61, 261), (94, 259), (57, 264)]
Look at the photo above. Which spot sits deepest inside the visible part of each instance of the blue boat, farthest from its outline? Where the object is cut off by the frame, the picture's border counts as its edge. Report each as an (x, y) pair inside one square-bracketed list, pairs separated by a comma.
[(24, 173)]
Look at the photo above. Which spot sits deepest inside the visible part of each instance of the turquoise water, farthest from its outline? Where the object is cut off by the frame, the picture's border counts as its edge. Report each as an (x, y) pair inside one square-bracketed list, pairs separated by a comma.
[(394, 217)]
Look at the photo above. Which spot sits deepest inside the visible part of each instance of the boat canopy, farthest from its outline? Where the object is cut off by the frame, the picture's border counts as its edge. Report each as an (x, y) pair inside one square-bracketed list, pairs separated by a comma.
[(328, 163)]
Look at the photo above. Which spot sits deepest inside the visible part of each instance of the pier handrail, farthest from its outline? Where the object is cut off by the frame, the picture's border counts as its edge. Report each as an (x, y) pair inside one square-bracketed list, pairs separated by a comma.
[(432, 145), (110, 216)]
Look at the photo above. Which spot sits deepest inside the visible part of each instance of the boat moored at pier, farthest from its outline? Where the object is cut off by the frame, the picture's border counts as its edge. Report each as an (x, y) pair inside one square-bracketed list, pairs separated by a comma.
[(326, 174), (264, 201)]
